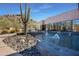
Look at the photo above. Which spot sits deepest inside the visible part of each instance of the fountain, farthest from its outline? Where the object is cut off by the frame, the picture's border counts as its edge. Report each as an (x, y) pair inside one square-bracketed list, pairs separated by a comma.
[(46, 31), (56, 38), (70, 33), (38, 40)]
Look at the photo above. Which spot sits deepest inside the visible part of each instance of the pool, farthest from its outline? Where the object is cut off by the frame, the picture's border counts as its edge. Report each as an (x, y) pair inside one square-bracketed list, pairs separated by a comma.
[(54, 43), (58, 43)]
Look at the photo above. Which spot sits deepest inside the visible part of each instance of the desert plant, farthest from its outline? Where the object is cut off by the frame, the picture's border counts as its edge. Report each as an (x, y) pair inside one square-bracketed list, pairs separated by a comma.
[(25, 19)]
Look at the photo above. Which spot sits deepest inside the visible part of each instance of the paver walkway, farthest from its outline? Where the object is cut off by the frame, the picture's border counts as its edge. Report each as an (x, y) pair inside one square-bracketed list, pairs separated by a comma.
[(4, 49)]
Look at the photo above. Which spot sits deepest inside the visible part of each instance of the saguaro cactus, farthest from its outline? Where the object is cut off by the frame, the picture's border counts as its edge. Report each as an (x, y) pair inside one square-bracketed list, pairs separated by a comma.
[(25, 19)]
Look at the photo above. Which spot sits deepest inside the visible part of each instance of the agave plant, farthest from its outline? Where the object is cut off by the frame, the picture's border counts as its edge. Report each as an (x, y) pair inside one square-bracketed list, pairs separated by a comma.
[(25, 18)]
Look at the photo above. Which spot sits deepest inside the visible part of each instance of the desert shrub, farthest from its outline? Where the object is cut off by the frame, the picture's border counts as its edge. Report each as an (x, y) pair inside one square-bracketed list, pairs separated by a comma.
[(4, 31), (12, 30)]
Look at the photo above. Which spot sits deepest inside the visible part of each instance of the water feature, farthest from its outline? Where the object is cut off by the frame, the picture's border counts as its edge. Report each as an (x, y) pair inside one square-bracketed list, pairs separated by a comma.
[(56, 38), (55, 43), (46, 32), (58, 43)]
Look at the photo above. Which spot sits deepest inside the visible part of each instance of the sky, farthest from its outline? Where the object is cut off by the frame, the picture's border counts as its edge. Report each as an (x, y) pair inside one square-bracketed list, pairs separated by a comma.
[(39, 11)]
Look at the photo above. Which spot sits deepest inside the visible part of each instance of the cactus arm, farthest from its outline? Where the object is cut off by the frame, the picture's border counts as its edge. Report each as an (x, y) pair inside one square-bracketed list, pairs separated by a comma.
[(25, 13), (21, 12), (28, 14)]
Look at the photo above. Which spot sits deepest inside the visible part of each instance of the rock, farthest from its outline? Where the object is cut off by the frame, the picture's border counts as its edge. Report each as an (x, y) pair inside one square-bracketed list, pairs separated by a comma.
[(20, 42), (33, 51)]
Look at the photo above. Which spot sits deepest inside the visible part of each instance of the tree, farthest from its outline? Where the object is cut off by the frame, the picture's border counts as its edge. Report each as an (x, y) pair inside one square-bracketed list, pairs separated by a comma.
[(25, 19)]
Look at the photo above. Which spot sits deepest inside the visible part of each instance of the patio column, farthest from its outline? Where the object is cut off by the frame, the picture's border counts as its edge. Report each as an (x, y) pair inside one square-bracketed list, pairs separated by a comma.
[(53, 26), (43, 26), (71, 25)]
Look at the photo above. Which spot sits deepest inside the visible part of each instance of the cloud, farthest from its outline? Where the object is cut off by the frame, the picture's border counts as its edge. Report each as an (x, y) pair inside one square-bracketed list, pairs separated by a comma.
[(45, 6), (35, 11), (42, 8)]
